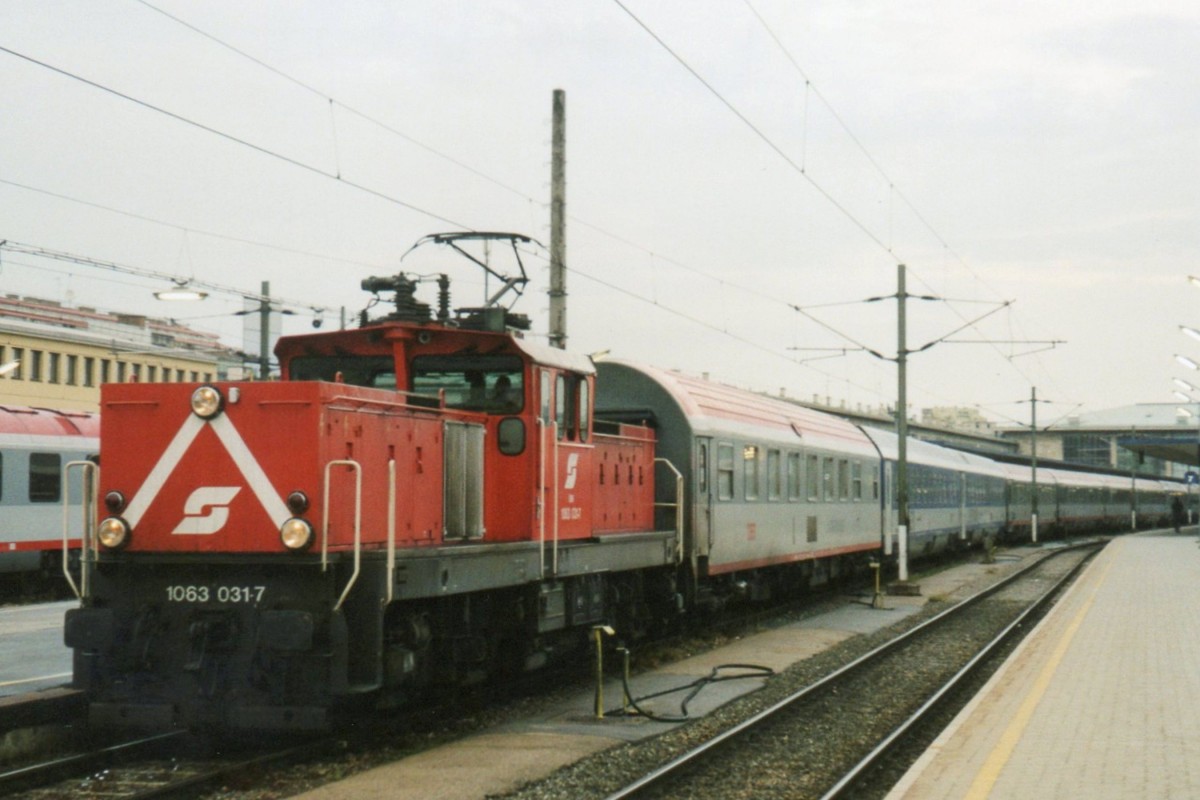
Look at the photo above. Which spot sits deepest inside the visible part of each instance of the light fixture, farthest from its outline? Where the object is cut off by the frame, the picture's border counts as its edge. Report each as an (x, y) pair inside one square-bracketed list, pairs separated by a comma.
[(1192, 279), (182, 290), (1183, 412), (1187, 362), (1184, 398), (1192, 332), (207, 402), (1182, 384)]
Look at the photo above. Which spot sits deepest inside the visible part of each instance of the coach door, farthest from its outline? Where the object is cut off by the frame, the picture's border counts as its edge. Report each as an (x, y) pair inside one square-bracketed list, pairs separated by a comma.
[(702, 508)]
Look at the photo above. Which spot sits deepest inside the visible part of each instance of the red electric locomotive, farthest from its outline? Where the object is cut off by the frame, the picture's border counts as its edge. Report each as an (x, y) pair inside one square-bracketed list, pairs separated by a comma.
[(419, 501)]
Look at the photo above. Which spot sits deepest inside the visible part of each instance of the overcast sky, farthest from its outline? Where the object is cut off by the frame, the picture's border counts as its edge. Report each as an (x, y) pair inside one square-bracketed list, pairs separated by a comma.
[(728, 162)]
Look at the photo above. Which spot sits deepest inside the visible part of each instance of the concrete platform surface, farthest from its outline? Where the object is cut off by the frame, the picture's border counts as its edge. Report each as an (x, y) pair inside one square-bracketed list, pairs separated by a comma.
[(33, 656), (523, 750), (1102, 700)]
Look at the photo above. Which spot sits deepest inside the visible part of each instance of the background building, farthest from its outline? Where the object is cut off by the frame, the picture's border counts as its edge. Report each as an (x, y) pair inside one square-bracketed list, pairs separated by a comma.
[(52, 356), (1154, 438)]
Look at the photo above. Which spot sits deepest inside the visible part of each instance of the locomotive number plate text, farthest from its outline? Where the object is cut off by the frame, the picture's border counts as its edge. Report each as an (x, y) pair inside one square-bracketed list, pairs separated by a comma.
[(220, 594)]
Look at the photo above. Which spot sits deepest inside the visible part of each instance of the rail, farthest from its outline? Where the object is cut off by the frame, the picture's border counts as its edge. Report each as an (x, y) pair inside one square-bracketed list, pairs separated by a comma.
[(856, 773), (677, 505), (658, 777), (354, 465), (88, 549)]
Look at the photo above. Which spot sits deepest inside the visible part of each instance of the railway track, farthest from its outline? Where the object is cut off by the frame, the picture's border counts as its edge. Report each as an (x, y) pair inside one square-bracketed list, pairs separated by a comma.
[(842, 734), (158, 766), (176, 773)]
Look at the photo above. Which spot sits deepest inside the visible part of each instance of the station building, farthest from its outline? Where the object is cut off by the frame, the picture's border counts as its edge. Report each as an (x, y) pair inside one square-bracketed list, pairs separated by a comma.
[(1149, 438), (54, 356)]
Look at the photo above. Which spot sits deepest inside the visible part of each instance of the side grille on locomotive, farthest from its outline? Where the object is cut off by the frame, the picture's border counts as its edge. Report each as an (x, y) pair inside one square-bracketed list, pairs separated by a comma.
[(463, 481)]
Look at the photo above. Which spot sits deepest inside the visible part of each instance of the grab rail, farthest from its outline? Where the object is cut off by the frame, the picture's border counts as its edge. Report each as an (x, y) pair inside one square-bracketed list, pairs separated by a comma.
[(88, 547), (391, 529), (357, 525), (677, 505)]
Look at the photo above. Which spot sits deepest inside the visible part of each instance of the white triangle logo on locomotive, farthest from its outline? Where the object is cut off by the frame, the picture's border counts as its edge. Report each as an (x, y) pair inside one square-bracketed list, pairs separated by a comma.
[(217, 498)]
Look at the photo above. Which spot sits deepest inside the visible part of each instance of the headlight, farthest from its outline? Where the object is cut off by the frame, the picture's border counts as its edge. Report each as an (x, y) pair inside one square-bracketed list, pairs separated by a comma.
[(113, 533), (296, 534), (206, 402)]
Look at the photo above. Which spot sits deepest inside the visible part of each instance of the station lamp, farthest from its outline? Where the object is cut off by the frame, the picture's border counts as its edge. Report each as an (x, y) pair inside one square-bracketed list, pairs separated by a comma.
[(182, 290)]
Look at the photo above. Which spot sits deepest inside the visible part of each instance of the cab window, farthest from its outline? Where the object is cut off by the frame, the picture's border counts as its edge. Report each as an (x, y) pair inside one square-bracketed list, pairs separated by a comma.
[(494, 384), (377, 371), (585, 420)]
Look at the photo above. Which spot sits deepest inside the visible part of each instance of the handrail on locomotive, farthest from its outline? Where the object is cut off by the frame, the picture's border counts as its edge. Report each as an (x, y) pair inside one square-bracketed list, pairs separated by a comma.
[(353, 465), (89, 548), (677, 505)]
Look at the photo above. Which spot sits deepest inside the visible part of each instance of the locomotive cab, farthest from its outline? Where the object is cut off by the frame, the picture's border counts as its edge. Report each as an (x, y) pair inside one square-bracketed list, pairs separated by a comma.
[(530, 405)]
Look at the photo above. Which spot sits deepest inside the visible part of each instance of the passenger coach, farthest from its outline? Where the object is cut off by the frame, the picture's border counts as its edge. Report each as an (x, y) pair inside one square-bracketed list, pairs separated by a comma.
[(767, 482)]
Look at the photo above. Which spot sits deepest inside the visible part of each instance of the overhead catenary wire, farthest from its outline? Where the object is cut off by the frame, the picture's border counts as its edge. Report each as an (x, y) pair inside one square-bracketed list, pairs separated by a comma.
[(337, 176), (809, 87), (192, 230), (295, 162), (799, 167)]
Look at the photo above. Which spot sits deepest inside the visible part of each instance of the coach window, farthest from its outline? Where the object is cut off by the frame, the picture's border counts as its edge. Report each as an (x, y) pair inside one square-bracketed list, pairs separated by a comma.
[(35, 365), (89, 371), (105, 370), (725, 472), (18, 355), (750, 471), (702, 469), (793, 476), (828, 478), (774, 475), (45, 477), (52, 372), (856, 481), (812, 478)]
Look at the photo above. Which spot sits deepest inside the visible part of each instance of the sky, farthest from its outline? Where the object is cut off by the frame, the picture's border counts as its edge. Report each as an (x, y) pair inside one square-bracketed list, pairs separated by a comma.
[(741, 176)]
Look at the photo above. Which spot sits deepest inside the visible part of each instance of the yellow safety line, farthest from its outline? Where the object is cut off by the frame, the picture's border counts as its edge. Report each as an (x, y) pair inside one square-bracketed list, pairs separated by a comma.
[(987, 776), (35, 680)]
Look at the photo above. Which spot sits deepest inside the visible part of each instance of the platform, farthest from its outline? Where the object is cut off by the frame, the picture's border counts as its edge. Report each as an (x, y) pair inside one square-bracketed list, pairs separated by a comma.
[(33, 656), (501, 759), (1102, 700)]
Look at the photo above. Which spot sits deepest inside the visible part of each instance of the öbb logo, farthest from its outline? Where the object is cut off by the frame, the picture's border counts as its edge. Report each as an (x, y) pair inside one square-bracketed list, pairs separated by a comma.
[(216, 500), (572, 471)]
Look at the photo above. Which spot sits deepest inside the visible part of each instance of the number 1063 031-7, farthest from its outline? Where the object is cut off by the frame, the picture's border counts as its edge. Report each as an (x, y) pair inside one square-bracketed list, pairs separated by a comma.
[(220, 594)]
